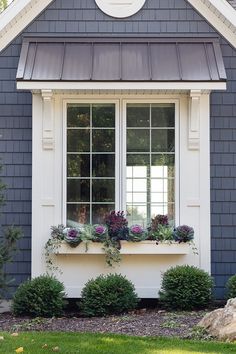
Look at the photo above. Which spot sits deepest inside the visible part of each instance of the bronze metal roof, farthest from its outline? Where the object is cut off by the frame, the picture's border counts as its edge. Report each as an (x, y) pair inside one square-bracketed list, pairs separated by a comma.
[(114, 59)]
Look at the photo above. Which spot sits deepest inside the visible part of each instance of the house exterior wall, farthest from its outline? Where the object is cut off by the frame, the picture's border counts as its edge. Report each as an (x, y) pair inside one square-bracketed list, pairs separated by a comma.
[(82, 18)]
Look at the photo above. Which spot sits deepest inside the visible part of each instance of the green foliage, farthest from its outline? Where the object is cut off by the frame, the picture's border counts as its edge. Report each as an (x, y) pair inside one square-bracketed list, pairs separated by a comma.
[(7, 245), (39, 297), (231, 287), (7, 248), (163, 233), (186, 288), (106, 295), (3, 4)]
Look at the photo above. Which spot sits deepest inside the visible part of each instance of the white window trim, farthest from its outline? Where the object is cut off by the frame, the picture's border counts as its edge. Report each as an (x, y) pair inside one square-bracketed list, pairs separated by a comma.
[(120, 140)]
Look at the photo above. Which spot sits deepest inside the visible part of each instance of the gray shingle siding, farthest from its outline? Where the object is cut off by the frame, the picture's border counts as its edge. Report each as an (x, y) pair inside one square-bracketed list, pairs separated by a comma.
[(82, 18)]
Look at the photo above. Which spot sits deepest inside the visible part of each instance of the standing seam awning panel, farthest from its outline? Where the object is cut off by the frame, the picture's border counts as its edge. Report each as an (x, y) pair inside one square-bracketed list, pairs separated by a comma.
[(116, 60)]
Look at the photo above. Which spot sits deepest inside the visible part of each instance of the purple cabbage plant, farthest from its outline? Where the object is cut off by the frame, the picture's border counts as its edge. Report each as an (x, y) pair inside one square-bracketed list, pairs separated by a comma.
[(100, 232), (183, 233), (137, 233), (72, 236)]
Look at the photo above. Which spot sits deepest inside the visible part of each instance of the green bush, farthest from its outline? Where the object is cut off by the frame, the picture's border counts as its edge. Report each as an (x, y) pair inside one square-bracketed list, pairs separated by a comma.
[(231, 287), (186, 288), (105, 295), (39, 297)]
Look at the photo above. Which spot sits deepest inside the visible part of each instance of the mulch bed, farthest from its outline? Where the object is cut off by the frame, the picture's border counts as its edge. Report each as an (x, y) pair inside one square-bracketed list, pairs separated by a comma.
[(144, 322)]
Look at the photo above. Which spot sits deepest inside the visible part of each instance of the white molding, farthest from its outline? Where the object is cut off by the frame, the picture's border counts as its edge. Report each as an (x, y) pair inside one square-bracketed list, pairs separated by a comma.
[(48, 117), (17, 17), (194, 120), (220, 14), (120, 8), (59, 85), (204, 185)]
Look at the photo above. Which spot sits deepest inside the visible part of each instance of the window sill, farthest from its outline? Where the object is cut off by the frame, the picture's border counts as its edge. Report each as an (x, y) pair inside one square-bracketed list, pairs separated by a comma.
[(138, 248)]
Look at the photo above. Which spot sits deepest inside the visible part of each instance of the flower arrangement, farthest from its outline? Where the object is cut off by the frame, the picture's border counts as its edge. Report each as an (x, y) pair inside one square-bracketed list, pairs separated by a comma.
[(116, 230)]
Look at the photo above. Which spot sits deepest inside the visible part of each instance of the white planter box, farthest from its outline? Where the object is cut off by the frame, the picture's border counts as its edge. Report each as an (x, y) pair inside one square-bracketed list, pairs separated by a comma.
[(143, 247)]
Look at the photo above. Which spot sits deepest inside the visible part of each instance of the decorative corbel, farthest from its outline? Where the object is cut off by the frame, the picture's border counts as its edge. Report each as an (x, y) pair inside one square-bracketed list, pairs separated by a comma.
[(48, 129), (194, 120)]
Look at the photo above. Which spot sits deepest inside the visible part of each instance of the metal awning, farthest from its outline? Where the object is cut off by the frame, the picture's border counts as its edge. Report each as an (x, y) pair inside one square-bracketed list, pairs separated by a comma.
[(115, 60)]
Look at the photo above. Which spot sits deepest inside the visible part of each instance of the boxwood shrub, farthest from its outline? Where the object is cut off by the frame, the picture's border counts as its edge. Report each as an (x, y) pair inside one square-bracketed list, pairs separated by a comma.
[(39, 297), (108, 294), (231, 287), (186, 288)]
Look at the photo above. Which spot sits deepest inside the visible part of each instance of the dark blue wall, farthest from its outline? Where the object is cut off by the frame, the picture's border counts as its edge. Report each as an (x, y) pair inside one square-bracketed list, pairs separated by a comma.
[(82, 18)]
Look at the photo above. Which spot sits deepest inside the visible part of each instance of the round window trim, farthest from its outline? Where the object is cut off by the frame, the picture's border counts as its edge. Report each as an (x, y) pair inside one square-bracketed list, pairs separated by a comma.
[(120, 8)]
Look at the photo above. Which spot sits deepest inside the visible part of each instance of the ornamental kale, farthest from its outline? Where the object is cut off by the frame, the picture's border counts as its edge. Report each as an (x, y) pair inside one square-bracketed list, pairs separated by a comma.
[(72, 233), (137, 233), (183, 233), (72, 237), (100, 232), (99, 229), (136, 229)]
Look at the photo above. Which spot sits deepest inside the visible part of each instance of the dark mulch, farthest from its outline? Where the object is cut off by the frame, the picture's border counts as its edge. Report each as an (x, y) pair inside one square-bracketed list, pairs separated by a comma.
[(144, 322)]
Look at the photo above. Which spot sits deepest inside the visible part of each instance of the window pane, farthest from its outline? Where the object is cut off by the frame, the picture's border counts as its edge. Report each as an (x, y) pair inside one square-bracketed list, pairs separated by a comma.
[(104, 115), (163, 140), (163, 166), (78, 116), (163, 115), (138, 140), (150, 161), (159, 209), (104, 165), (78, 140), (100, 211), (78, 166), (138, 160), (103, 140), (78, 213), (90, 136), (137, 214), (78, 190), (103, 190), (136, 198), (138, 115)]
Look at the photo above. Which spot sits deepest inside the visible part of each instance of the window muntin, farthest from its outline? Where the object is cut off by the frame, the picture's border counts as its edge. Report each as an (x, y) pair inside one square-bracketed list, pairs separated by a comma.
[(90, 162), (144, 185), (150, 161)]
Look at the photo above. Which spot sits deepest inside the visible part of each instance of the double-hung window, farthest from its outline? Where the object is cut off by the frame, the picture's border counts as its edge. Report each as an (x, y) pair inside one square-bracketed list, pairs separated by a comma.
[(120, 159)]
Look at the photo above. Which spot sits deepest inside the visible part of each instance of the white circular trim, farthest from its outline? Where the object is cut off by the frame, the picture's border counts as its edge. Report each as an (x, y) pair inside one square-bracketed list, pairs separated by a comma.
[(120, 8)]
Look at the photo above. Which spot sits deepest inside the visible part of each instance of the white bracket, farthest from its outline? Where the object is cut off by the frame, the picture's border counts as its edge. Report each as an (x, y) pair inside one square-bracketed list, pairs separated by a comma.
[(48, 124), (194, 120)]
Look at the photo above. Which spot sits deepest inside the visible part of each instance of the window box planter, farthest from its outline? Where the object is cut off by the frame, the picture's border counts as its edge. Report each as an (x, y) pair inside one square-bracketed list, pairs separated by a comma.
[(138, 248)]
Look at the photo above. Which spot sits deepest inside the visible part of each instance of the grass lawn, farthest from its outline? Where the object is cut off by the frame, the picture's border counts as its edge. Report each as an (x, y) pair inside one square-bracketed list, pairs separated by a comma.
[(45, 342)]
